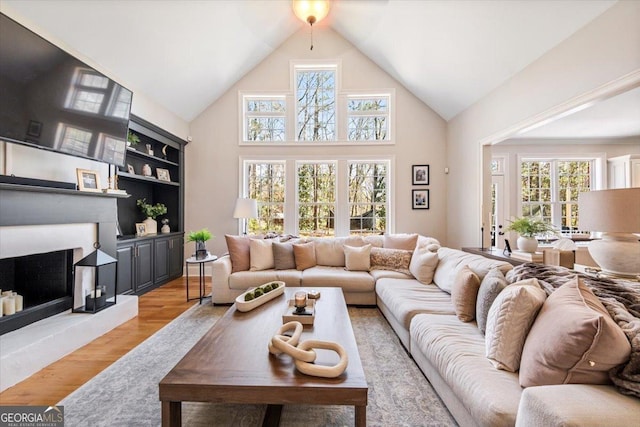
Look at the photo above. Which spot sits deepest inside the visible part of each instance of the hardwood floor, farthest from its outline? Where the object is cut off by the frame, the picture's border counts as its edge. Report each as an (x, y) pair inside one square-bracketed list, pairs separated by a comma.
[(53, 383)]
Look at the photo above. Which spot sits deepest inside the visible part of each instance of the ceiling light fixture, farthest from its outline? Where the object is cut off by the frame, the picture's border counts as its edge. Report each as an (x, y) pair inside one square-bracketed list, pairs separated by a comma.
[(311, 12)]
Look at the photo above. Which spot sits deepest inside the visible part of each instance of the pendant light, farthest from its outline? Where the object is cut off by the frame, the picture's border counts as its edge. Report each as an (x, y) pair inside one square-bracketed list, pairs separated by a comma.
[(311, 12)]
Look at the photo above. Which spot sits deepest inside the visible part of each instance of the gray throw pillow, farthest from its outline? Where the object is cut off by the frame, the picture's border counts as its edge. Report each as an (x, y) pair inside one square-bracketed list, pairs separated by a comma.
[(283, 256), (492, 284)]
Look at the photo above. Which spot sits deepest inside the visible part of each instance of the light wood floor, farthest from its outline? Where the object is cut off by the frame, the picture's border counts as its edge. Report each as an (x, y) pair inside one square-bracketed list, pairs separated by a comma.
[(61, 378)]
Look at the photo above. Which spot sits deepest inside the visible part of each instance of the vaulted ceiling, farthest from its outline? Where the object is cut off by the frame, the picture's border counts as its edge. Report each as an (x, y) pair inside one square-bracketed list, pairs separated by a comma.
[(186, 54)]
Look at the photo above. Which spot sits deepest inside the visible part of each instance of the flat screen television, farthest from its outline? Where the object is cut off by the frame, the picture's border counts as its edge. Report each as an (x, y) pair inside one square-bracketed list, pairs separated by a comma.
[(51, 100)]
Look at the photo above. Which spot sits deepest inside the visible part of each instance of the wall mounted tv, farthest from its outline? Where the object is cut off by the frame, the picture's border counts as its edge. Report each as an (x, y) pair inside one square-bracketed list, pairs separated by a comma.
[(53, 101)]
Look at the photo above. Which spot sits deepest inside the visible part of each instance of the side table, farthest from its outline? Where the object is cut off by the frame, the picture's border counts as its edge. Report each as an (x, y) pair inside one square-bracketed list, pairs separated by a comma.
[(201, 276)]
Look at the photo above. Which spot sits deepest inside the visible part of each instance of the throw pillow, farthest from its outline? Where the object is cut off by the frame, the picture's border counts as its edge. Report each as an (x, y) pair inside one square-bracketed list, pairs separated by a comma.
[(283, 258), (261, 254), (574, 340), (329, 252), (239, 252), (508, 324), (490, 287), (305, 255), (391, 259), (357, 258), (464, 293), (423, 265), (400, 241)]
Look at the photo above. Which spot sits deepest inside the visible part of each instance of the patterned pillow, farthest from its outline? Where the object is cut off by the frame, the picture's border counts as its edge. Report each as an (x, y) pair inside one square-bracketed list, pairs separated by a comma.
[(391, 259)]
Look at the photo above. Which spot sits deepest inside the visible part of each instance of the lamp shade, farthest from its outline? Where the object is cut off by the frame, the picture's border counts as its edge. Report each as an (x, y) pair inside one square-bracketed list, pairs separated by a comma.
[(611, 211), (311, 11), (246, 208)]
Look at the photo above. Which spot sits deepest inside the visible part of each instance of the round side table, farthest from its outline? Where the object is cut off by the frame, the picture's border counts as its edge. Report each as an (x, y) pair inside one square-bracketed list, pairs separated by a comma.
[(201, 276)]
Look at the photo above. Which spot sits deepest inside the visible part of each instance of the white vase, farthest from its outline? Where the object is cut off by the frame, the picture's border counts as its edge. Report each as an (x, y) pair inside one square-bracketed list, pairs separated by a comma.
[(165, 229), (527, 244), (151, 225)]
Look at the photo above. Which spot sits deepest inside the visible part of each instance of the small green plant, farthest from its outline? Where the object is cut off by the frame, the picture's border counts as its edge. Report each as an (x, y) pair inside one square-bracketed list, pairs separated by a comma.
[(528, 226), (151, 211), (261, 290), (133, 138), (199, 236)]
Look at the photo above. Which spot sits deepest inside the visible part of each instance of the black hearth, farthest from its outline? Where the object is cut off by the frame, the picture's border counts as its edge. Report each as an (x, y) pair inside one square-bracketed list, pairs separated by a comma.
[(45, 282)]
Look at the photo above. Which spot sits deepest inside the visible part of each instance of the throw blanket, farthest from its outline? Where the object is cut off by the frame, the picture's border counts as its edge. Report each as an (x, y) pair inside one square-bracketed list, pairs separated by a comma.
[(621, 299)]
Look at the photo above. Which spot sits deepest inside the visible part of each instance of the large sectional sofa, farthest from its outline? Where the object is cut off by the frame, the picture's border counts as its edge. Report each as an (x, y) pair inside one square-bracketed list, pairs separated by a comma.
[(420, 295)]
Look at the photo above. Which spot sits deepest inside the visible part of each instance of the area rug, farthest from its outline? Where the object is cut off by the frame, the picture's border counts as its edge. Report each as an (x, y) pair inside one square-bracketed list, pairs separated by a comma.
[(126, 393)]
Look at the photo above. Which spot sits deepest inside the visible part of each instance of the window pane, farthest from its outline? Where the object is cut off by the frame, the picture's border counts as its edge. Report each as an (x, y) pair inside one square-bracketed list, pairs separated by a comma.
[(367, 128), (367, 197), (315, 94), (265, 129), (316, 199), (266, 184)]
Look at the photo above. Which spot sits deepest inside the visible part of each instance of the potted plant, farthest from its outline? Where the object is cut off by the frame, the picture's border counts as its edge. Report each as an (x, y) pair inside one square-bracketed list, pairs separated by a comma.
[(151, 212), (132, 138), (528, 228), (200, 237)]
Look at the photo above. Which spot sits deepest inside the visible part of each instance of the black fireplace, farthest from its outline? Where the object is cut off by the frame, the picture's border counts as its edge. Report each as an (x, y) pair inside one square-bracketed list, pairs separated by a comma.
[(45, 282)]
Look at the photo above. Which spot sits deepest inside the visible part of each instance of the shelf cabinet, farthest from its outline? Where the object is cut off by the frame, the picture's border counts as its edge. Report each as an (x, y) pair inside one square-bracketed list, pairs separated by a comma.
[(147, 262)]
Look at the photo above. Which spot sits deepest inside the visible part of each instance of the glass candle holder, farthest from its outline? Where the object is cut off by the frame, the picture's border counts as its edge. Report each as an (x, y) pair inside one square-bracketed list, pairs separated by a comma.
[(300, 301)]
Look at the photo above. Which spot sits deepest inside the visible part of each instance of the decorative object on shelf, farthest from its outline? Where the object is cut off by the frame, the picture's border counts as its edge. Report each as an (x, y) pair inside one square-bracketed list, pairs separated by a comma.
[(420, 174), (616, 214), (257, 296), (311, 12), (165, 226), (149, 149), (152, 212), (163, 174), (141, 229), (103, 292), (130, 169), (245, 209), (88, 180), (132, 139), (528, 228), (200, 237), (164, 152), (420, 199), (146, 170)]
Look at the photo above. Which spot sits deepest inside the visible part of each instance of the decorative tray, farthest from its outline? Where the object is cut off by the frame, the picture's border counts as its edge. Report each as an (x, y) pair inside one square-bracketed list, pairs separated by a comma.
[(242, 305), (289, 314)]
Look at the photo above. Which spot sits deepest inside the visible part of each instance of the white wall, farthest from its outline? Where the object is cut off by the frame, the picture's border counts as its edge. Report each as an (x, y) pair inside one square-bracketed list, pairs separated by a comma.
[(601, 52), (212, 171)]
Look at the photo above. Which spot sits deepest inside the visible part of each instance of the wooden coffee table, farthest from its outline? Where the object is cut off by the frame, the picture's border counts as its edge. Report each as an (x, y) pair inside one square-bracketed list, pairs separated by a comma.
[(231, 363)]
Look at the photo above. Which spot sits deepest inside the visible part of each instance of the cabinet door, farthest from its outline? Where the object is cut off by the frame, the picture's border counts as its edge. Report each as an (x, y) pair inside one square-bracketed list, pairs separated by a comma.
[(161, 269), (125, 276), (176, 249), (144, 264)]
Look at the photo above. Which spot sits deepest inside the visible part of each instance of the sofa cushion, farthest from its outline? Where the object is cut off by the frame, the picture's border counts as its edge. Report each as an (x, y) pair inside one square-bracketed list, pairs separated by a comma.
[(464, 293), (391, 259), (329, 252), (400, 241), (243, 280), (375, 240), (510, 319), (283, 257), (381, 274), (574, 340), (406, 298), (423, 265), (349, 281), (305, 255), (457, 351), (452, 259), (357, 258), (492, 284), (239, 252), (261, 254)]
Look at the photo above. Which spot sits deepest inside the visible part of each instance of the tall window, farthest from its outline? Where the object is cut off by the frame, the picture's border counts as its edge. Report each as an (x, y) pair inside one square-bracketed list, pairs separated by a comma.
[(316, 104), (368, 118), (265, 119), (266, 183), (316, 192), (367, 197), (550, 189)]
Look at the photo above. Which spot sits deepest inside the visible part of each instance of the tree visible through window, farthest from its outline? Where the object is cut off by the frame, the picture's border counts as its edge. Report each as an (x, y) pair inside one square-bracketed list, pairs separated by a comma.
[(367, 197), (368, 118), (316, 199), (266, 184), (265, 119), (316, 104)]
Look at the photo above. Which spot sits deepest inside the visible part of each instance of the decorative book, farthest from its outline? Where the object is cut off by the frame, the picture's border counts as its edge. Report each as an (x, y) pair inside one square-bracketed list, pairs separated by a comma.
[(527, 256)]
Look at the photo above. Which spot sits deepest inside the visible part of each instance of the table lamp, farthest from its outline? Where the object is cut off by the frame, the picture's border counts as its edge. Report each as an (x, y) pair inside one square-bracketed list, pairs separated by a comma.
[(615, 213), (245, 209)]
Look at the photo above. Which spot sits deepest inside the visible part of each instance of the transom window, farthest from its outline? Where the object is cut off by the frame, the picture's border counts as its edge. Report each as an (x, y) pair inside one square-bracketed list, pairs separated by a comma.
[(315, 104), (265, 118), (368, 118)]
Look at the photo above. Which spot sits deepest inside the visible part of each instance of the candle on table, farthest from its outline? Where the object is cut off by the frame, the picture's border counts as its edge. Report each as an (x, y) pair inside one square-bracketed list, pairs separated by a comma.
[(300, 299), (8, 305)]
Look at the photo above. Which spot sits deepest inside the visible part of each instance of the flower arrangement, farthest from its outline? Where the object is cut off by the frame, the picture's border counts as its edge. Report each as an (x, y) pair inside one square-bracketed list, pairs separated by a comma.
[(151, 211)]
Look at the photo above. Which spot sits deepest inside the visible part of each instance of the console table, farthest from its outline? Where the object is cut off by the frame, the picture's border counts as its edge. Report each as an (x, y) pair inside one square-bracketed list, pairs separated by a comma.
[(494, 253)]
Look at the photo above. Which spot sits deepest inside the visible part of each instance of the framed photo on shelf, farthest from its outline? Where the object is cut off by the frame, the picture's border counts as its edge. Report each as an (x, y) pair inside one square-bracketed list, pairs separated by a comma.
[(141, 229), (420, 199), (420, 174), (163, 174), (88, 180), (130, 169)]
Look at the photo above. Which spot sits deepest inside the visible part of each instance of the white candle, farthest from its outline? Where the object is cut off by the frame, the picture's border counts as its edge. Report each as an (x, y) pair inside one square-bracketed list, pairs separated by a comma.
[(1, 306), (19, 302), (8, 305), (92, 294), (7, 293), (98, 293)]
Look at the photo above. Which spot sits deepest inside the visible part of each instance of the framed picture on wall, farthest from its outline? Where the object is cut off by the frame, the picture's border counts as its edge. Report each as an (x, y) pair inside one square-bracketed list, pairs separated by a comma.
[(420, 199), (88, 180), (420, 174)]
